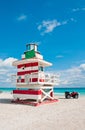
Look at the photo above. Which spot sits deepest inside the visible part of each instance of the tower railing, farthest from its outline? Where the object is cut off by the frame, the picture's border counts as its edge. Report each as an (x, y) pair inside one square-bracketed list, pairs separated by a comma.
[(38, 77)]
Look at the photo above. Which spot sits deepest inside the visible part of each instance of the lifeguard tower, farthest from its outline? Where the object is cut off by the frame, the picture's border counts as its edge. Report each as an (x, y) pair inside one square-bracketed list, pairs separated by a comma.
[(33, 86)]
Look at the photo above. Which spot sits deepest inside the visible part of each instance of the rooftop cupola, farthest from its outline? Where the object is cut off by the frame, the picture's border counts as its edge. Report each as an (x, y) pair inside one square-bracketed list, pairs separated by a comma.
[(31, 46), (32, 52)]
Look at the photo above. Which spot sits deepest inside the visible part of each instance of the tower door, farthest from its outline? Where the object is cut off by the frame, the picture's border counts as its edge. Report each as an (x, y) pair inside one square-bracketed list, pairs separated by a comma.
[(27, 78)]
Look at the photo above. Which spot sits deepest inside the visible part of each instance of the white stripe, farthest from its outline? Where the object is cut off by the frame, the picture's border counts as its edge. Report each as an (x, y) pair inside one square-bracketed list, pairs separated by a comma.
[(29, 96), (23, 56), (34, 76), (28, 75), (34, 68), (27, 68), (31, 76), (39, 56)]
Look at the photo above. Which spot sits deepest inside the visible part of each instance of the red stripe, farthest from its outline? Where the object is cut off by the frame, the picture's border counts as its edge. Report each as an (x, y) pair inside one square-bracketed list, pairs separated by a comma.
[(31, 80), (34, 80), (28, 65), (20, 81), (26, 72), (41, 80), (34, 92)]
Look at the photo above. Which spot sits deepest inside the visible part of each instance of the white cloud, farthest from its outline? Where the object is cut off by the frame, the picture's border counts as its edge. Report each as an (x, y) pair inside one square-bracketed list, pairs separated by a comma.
[(48, 26), (64, 22), (65, 82), (78, 9), (73, 77), (7, 62), (75, 9), (59, 56), (22, 17), (6, 70), (73, 20), (82, 66)]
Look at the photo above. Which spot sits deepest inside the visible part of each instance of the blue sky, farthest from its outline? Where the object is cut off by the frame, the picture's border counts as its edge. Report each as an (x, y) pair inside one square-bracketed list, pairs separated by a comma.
[(58, 26)]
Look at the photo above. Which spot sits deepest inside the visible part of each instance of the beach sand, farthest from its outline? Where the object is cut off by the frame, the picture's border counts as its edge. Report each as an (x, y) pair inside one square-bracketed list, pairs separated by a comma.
[(66, 114)]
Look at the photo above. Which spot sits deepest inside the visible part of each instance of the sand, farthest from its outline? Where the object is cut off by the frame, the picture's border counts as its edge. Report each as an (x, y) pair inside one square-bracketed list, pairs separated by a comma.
[(67, 114)]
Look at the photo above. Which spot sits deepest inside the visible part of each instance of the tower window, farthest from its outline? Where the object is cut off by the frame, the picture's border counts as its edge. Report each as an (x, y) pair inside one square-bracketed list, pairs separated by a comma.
[(40, 68)]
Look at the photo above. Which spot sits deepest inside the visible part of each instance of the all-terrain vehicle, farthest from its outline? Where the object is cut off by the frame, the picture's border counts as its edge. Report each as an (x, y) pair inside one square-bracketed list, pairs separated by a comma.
[(68, 95)]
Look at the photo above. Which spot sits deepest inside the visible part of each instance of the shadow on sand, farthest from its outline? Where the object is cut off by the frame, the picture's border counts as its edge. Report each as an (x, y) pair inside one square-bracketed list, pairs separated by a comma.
[(5, 101), (62, 98)]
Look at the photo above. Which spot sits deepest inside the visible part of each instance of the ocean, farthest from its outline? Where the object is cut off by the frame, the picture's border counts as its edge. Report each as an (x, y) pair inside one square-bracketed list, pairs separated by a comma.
[(59, 91)]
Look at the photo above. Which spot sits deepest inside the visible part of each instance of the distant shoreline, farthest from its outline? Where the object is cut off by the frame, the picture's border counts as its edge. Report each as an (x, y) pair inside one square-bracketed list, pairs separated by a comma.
[(57, 91)]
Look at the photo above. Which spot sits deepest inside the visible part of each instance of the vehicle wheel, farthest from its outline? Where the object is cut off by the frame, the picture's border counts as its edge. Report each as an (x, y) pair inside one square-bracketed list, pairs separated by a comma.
[(68, 96), (76, 96)]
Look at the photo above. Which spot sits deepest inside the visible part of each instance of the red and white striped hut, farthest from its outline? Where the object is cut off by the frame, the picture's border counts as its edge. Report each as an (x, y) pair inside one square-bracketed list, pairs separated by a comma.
[(31, 81)]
